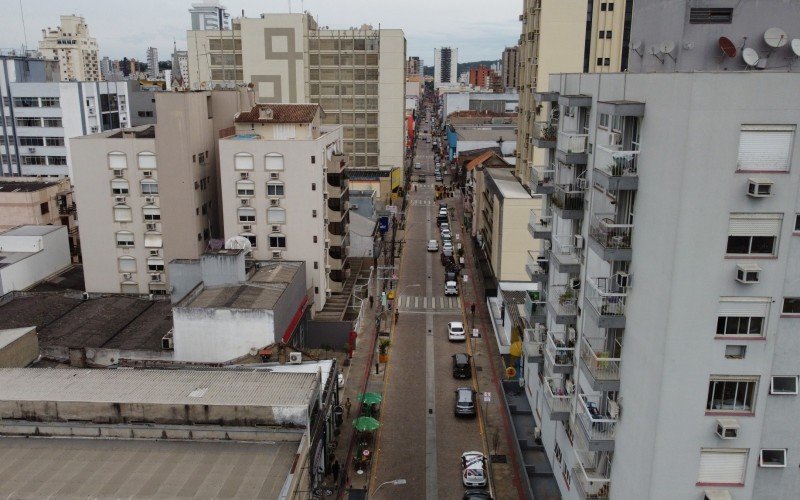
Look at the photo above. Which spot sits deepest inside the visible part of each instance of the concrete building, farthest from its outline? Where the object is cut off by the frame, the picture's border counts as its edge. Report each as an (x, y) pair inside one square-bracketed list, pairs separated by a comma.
[(19, 347), (77, 53), (284, 188), (510, 68), (29, 254), (209, 15), (135, 214), (414, 66), (35, 201), (445, 67), (454, 102), (152, 63), (479, 76), (180, 68), (630, 333)]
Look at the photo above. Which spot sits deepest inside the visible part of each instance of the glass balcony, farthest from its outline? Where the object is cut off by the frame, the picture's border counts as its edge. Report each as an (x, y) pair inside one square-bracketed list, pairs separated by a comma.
[(610, 240), (598, 417), (606, 302), (559, 355), (616, 170), (564, 255), (571, 148), (544, 135), (537, 267), (593, 474), (599, 365), (542, 179), (541, 228), (569, 200), (535, 307), (558, 398)]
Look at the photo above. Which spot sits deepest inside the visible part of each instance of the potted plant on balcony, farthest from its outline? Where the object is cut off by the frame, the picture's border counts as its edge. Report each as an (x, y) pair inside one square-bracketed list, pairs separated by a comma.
[(549, 133), (383, 350), (565, 297)]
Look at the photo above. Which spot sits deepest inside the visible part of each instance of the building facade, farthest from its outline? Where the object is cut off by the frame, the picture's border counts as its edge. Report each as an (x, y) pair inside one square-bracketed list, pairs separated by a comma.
[(209, 15), (152, 63), (31, 254), (284, 189), (414, 66), (510, 67), (445, 67), (180, 68), (77, 53)]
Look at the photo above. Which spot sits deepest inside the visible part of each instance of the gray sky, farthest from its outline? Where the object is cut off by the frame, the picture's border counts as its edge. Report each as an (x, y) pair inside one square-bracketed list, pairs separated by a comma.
[(478, 28)]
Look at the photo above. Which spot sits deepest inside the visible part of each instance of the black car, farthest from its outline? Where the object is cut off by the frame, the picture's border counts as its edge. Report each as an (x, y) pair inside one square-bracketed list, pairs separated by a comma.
[(476, 495), (462, 366), (465, 402)]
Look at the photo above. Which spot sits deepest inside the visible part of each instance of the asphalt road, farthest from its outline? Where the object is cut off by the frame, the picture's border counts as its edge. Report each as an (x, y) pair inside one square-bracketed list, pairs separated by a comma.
[(421, 440)]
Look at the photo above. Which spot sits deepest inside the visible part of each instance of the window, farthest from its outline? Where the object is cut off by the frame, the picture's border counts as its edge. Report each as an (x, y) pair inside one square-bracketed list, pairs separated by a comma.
[(791, 305), (277, 240), (797, 223), (52, 122), (275, 189), (765, 148), (731, 394), (31, 141), (314, 214), (26, 102), (45, 208), (313, 159), (122, 213), (147, 160), (251, 238), (243, 161), (772, 458), (313, 186), (56, 160), (155, 264), (276, 215), (245, 188), (247, 214), (117, 160), (149, 187), (717, 15), (753, 234), (722, 466), (124, 239), (50, 102), (54, 141), (735, 351), (127, 264), (153, 240), (119, 187), (151, 213), (603, 120), (782, 384), (738, 316), (606, 62), (273, 161), (34, 160), (601, 34), (316, 265)]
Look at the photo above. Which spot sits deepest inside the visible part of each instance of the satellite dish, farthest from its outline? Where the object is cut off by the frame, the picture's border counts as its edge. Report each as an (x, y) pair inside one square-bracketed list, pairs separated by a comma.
[(775, 37), (796, 47), (750, 56), (636, 46), (238, 243), (667, 47), (727, 46)]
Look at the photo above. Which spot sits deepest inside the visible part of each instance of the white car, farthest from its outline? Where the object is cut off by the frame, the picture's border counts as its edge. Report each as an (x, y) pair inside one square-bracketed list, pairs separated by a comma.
[(444, 226), (443, 211), (446, 234), (455, 329), (433, 246), (473, 467), (417, 165)]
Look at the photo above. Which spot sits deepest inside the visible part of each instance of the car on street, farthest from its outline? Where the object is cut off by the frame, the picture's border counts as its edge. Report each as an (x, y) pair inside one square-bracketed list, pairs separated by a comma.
[(444, 225), (442, 205), (433, 246), (476, 495), (446, 235), (455, 331), (438, 178), (465, 402), (451, 288), (462, 367), (418, 165), (447, 246), (473, 469)]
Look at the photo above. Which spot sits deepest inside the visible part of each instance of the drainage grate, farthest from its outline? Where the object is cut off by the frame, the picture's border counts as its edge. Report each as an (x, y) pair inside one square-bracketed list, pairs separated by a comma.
[(499, 459), (478, 368)]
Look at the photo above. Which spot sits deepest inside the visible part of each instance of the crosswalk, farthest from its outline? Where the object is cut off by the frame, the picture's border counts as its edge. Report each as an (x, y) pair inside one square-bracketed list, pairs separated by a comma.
[(439, 303), (424, 202)]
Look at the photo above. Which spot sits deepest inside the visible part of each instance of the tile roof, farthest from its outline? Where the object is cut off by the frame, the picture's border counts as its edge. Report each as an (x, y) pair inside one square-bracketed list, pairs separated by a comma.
[(281, 113)]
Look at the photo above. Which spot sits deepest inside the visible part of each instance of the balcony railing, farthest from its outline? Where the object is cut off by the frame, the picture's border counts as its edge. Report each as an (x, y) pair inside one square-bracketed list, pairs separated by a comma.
[(565, 255), (615, 162), (535, 307), (606, 297), (572, 142), (540, 227), (598, 416), (598, 360), (610, 234), (545, 134), (557, 398), (593, 475), (568, 197), (559, 353), (542, 179), (537, 266), (533, 341)]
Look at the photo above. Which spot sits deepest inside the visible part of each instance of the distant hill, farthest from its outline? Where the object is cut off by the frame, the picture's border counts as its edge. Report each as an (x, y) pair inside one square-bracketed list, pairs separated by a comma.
[(462, 67)]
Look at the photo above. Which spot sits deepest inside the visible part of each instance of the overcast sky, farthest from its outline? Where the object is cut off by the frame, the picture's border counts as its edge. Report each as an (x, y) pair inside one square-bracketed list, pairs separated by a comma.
[(478, 28)]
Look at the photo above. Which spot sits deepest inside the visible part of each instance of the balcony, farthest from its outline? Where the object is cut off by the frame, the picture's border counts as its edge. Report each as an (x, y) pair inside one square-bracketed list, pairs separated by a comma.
[(610, 240), (571, 148), (337, 228), (558, 399), (569, 200), (542, 179), (616, 170), (537, 267), (535, 307), (559, 355), (541, 228), (546, 96), (544, 135), (562, 304), (533, 344), (564, 256), (601, 370), (605, 302), (598, 417), (337, 163), (575, 100), (593, 474)]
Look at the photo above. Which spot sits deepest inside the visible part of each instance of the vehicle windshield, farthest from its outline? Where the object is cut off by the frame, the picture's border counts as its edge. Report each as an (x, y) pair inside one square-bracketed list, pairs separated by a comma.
[(457, 329)]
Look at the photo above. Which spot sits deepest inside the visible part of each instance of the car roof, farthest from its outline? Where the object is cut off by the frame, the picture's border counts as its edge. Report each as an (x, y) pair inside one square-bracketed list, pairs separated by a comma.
[(461, 357), (455, 323)]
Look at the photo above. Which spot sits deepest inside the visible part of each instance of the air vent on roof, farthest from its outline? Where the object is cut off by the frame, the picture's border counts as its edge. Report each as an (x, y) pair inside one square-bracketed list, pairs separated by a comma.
[(719, 15)]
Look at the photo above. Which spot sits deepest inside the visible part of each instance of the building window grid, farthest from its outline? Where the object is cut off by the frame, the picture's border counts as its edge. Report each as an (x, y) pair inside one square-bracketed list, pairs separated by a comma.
[(741, 325), (728, 394)]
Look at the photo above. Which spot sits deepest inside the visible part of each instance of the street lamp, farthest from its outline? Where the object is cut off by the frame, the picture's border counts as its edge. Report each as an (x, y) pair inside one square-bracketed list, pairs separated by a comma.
[(396, 482)]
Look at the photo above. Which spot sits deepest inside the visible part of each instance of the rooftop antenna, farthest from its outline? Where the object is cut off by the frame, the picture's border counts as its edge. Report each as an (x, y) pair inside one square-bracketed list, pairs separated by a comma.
[(24, 31)]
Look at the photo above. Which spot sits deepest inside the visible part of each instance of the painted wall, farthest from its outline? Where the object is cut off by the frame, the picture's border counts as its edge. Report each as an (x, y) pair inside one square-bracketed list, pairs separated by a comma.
[(50, 254), (216, 335)]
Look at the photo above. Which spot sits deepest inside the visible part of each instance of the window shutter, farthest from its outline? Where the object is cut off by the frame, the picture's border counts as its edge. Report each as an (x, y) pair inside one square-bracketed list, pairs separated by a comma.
[(740, 307), (117, 161), (765, 148), (755, 225), (722, 466), (243, 161)]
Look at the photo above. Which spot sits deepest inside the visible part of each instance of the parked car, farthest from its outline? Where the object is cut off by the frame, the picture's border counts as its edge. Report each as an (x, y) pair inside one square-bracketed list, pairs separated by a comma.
[(465, 402), (433, 246), (451, 288), (462, 366), (442, 205), (446, 235), (476, 495), (447, 248), (473, 469), (455, 331), (418, 165)]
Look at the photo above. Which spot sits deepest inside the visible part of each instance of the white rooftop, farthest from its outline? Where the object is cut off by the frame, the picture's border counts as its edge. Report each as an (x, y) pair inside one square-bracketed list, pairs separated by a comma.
[(31, 230)]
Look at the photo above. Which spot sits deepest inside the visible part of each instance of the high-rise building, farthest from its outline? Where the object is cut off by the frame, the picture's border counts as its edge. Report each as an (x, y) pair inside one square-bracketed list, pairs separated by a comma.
[(152, 63), (76, 52), (209, 15), (658, 348), (445, 67), (357, 76), (284, 189), (510, 67), (147, 195), (479, 76), (413, 66)]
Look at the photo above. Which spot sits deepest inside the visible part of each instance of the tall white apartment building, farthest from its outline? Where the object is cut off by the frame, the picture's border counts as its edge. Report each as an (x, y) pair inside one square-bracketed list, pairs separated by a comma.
[(209, 15), (77, 53), (152, 63), (445, 67), (180, 67), (284, 189)]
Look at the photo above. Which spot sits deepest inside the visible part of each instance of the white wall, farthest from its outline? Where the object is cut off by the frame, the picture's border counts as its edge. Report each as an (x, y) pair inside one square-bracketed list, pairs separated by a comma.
[(216, 335), (51, 255)]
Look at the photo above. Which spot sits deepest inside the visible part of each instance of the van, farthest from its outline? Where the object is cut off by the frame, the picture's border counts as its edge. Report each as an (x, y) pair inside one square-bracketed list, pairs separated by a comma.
[(462, 367)]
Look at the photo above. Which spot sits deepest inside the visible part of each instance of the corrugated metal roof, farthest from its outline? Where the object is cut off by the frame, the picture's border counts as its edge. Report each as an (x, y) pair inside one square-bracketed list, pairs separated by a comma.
[(217, 388)]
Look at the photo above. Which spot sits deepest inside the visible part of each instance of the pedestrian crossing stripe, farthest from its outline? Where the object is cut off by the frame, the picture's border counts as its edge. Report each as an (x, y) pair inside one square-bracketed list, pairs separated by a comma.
[(434, 303)]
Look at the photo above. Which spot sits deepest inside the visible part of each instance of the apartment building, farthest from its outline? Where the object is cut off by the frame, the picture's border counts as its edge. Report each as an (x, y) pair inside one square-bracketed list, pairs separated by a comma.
[(148, 194), (510, 67), (285, 190), (357, 75), (209, 15), (77, 53), (414, 66), (445, 67), (180, 68), (152, 63)]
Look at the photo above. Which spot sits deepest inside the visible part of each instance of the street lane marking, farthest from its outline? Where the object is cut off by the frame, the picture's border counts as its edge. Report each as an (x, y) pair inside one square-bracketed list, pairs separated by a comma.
[(431, 479)]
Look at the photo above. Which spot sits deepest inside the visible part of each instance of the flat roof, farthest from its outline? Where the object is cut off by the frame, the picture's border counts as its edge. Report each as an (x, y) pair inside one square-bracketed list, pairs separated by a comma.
[(32, 230), (506, 183), (158, 387), (486, 132), (24, 186), (103, 468)]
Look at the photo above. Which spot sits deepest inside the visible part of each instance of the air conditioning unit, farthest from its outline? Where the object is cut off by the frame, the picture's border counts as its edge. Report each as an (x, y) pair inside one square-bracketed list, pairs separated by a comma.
[(147, 173), (273, 203), (274, 175), (151, 226), (247, 228), (277, 254), (622, 280), (327, 244), (244, 175), (119, 173), (167, 342), (276, 229), (126, 276), (154, 253), (149, 199), (578, 241), (547, 245), (748, 273), (155, 277), (326, 221), (295, 358), (244, 201), (727, 428), (95, 129), (91, 111), (575, 283), (759, 187), (31, 150), (571, 334), (615, 139), (119, 199)]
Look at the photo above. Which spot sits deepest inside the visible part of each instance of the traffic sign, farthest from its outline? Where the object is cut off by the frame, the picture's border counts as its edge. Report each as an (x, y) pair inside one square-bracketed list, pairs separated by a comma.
[(487, 397)]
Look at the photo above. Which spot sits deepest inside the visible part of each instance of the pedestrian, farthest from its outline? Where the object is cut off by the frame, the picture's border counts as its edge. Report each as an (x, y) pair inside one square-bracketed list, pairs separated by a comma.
[(347, 405), (371, 301), (335, 471)]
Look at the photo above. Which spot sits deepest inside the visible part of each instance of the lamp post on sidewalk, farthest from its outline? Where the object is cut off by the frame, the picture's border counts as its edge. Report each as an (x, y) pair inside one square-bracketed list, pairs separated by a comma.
[(396, 482)]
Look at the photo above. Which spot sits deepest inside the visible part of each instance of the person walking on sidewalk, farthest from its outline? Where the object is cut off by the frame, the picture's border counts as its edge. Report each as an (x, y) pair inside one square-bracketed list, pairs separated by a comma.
[(335, 471)]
